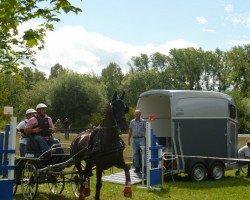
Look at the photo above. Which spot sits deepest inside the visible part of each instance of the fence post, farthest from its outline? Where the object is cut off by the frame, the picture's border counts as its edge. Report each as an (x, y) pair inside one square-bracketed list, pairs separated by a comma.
[(7, 153), (154, 159)]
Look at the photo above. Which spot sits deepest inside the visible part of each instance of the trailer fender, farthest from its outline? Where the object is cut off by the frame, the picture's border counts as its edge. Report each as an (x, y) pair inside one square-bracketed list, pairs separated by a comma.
[(189, 163)]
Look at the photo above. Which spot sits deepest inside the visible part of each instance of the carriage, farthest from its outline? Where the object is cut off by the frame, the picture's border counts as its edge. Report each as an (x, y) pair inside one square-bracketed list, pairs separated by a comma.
[(49, 167), (56, 169)]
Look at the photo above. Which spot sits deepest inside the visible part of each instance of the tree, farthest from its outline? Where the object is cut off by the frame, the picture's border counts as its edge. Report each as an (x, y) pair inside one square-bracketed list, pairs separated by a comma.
[(243, 110), (56, 70), (238, 60), (159, 61), (136, 83), (112, 77), (140, 63), (16, 48), (39, 93), (31, 77), (12, 89), (76, 97), (215, 74), (187, 67)]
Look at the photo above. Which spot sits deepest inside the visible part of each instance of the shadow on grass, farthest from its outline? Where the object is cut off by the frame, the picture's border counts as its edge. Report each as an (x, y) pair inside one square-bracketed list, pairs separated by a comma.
[(227, 181), (183, 182), (44, 196)]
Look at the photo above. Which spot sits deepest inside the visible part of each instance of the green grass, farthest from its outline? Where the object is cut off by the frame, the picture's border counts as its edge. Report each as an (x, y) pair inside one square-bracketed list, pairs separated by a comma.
[(179, 188)]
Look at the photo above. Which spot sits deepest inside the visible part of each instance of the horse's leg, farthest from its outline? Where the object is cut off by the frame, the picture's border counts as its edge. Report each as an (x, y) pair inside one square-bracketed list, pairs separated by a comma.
[(98, 182), (87, 174), (127, 190), (82, 180)]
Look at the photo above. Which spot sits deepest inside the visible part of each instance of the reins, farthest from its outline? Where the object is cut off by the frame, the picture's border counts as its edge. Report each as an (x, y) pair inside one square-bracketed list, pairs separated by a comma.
[(106, 127)]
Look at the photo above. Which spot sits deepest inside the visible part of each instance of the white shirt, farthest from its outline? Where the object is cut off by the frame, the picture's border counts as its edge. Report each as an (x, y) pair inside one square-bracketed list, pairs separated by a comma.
[(243, 152), (19, 127)]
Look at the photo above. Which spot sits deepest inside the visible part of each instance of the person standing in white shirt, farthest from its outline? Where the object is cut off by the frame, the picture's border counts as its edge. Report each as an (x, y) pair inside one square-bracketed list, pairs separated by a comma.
[(244, 153), (20, 129), (137, 130)]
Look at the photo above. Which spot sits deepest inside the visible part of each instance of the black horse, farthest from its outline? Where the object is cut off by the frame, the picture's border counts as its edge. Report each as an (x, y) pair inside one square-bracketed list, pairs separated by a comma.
[(110, 147)]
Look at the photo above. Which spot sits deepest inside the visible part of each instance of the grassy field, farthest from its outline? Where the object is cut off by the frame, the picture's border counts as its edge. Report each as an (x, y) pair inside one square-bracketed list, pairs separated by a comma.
[(177, 188)]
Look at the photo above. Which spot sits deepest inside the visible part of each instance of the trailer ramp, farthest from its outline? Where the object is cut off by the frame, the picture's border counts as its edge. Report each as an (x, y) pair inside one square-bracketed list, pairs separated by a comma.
[(120, 177)]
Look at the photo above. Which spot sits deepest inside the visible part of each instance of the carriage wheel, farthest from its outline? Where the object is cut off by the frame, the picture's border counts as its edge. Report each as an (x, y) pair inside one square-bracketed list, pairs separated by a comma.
[(76, 182), (57, 185), (15, 183), (29, 183)]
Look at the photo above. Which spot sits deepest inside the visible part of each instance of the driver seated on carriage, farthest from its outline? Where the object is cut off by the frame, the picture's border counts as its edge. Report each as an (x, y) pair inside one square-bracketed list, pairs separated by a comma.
[(39, 129)]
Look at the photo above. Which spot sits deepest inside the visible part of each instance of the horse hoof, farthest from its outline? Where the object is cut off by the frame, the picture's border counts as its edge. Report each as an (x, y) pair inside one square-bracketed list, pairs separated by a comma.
[(86, 192), (127, 192), (81, 196)]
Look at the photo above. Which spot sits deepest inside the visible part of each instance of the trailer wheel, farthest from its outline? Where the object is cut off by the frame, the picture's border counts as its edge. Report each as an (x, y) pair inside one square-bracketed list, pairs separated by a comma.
[(198, 172), (216, 171)]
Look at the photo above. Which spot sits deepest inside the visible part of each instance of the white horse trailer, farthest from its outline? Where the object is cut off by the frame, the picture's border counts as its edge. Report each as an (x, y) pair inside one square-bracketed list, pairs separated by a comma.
[(197, 128)]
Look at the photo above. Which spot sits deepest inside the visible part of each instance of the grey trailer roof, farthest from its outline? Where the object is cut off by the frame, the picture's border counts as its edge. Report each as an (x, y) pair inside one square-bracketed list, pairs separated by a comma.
[(188, 94), (188, 103)]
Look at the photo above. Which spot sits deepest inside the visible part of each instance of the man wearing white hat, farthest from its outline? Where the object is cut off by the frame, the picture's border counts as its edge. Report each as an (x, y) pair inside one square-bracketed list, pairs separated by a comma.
[(40, 128), (20, 129)]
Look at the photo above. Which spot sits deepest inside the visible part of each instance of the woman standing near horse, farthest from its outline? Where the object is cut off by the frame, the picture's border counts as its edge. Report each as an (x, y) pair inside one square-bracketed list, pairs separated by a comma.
[(111, 147)]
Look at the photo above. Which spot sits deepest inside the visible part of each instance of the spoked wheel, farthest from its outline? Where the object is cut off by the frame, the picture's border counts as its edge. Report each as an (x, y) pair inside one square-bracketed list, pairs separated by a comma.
[(29, 183), (15, 183), (57, 184), (76, 182)]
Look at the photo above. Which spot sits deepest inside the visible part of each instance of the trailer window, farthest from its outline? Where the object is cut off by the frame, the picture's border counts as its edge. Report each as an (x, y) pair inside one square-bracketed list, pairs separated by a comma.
[(232, 111)]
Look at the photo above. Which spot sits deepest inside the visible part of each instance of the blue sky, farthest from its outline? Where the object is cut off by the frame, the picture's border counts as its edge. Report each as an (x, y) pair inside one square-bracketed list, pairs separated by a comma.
[(115, 30)]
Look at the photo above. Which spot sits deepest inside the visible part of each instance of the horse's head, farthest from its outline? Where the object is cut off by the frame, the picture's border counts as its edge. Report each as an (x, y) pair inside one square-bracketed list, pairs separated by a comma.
[(119, 110)]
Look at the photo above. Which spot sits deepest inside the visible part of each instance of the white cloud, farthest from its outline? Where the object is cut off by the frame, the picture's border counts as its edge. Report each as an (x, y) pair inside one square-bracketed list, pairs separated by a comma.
[(201, 20), (243, 19), (229, 8), (208, 30), (246, 36), (238, 42), (86, 52)]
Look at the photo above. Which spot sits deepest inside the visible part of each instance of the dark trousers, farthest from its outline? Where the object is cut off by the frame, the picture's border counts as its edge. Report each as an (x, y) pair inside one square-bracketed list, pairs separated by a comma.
[(242, 163)]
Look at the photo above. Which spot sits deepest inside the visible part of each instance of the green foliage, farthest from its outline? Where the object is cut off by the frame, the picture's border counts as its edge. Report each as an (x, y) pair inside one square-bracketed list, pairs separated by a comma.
[(136, 83), (39, 93), (187, 67), (243, 110), (76, 97), (95, 119), (12, 88), (15, 48), (140, 63), (112, 77), (239, 61), (56, 71), (159, 61), (31, 77)]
